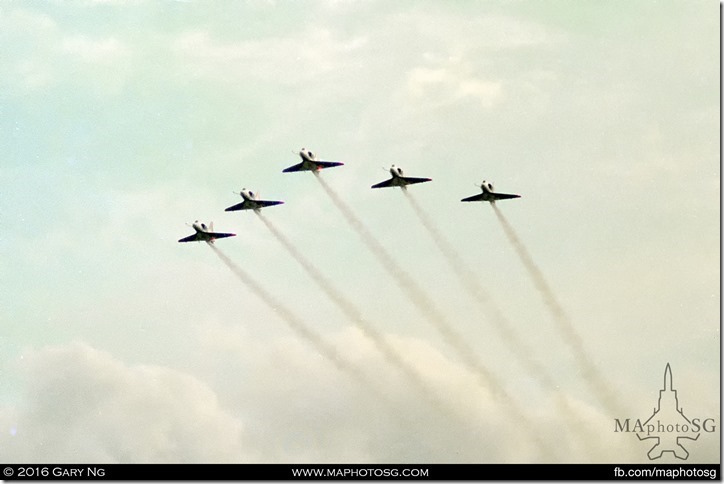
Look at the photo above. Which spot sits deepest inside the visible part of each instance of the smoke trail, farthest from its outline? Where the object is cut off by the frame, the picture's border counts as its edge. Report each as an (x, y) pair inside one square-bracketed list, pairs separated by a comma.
[(590, 373), (470, 283), (433, 314), (299, 327), (354, 315), (502, 324)]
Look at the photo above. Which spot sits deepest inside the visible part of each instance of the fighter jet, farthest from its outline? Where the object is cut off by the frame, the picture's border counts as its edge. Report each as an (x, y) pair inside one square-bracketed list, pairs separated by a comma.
[(311, 163), (489, 194), (204, 233), (252, 202), (398, 180)]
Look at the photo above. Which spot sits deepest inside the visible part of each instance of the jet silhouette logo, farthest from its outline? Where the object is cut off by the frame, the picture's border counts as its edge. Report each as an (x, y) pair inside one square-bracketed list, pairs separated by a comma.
[(668, 426)]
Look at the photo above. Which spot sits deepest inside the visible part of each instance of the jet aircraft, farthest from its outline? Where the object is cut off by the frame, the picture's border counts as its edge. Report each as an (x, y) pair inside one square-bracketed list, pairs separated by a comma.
[(489, 194), (252, 202), (311, 163), (204, 233), (399, 180)]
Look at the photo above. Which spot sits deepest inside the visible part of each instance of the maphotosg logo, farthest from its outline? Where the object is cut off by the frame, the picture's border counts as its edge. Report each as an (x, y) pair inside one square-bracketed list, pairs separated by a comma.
[(667, 428)]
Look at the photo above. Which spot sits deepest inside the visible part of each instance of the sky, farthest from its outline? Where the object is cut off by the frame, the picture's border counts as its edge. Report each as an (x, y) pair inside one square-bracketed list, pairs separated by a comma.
[(123, 121)]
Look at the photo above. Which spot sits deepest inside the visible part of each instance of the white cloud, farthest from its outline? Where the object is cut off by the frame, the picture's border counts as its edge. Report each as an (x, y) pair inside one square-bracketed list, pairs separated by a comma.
[(262, 399), (441, 86), (83, 405), (42, 55), (311, 53), (290, 391), (102, 51), (20, 19)]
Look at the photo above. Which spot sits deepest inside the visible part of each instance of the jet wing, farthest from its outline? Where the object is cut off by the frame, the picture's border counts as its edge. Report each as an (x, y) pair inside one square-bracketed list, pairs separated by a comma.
[(245, 205), (190, 238), (327, 164), (298, 167), (219, 235), (412, 180), (489, 197), (317, 164), (406, 180), (268, 203), (503, 196), (475, 198), (384, 184)]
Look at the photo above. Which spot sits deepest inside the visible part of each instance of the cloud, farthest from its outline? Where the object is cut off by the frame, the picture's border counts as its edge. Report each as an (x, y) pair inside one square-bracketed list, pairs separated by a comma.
[(83, 405), (246, 398), (16, 63), (449, 85), (101, 51), (45, 54), (289, 60), (299, 408)]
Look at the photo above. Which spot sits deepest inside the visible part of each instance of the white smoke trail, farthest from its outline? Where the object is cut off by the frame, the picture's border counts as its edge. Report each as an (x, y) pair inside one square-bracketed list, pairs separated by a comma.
[(470, 283), (499, 321), (434, 316), (300, 328), (589, 371), (354, 315)]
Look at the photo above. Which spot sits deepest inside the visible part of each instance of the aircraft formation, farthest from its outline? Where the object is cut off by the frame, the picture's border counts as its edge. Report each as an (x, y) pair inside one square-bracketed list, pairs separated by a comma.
[(251, 200), (425, 304)]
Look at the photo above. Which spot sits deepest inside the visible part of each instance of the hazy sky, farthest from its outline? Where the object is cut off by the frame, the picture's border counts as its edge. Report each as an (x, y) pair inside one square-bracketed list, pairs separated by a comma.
[(120, 121)]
